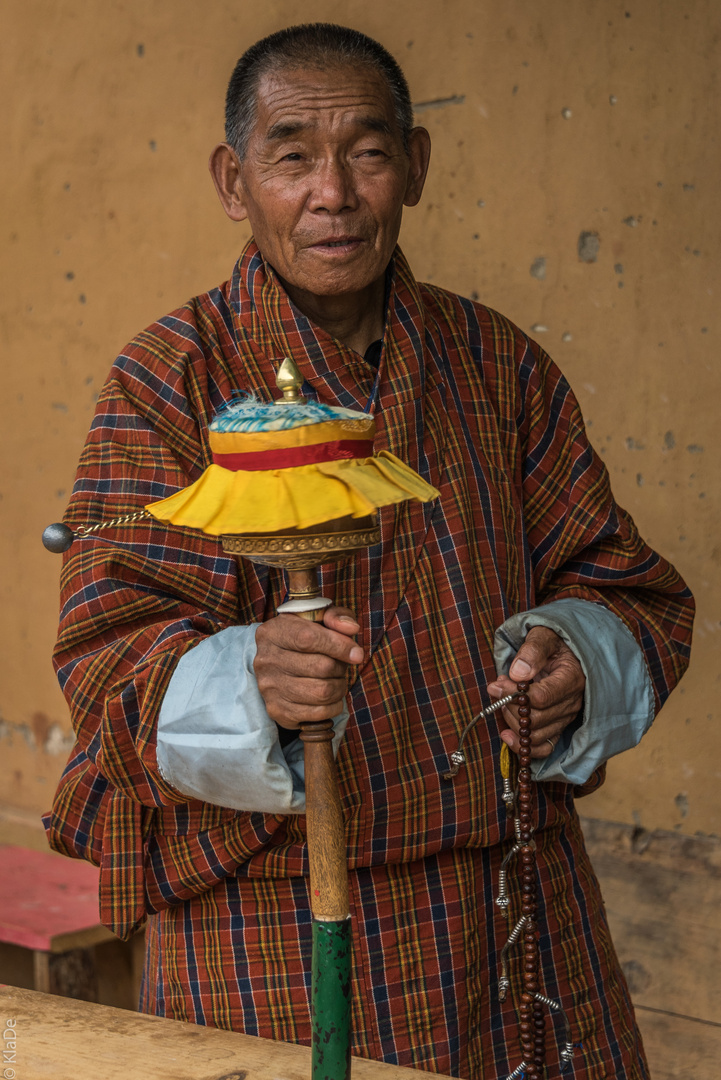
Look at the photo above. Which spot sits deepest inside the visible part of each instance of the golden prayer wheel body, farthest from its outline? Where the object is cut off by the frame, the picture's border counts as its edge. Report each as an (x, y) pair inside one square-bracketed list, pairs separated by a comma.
[(305, 549)]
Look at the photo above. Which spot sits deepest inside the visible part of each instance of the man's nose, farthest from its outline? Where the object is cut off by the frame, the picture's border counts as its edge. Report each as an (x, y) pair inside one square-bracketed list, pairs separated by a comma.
[(333, 188)]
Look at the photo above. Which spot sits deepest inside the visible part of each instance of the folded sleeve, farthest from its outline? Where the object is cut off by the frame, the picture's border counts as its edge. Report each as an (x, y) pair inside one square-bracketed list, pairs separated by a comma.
[(215, 739), (619, 699)]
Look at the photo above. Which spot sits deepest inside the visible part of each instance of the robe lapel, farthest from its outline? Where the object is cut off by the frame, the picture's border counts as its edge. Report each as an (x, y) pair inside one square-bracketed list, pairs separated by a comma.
[(410, 413)]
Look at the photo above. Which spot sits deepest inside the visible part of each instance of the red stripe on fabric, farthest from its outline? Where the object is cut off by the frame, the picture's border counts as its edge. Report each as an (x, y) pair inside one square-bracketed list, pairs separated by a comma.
[(296, 455)]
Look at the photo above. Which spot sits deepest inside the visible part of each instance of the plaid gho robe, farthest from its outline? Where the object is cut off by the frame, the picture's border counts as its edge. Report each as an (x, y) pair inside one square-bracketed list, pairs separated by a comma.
[(525, 516)]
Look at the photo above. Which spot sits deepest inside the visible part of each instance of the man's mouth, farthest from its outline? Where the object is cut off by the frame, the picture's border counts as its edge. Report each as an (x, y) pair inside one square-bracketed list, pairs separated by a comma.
[(339, 242)]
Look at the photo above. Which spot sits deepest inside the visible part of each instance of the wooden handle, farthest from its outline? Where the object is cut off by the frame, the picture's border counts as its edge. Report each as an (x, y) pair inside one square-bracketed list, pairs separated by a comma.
[(324, 815)]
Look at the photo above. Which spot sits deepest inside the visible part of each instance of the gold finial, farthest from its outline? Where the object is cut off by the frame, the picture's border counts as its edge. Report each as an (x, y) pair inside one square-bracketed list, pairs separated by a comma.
[(289, 380)]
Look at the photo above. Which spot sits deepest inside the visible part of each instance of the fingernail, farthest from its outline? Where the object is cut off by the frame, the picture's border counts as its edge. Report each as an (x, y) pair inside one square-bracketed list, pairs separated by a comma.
[(520, 670), (494, 689), (356, 655), (507, 738), (347, 618)]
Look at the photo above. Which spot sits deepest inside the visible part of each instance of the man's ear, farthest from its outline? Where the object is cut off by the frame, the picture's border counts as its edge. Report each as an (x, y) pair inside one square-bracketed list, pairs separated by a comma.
[(226, 170), (419, 155)]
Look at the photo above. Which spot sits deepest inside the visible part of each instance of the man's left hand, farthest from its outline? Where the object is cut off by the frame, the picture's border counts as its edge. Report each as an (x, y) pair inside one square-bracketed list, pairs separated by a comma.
[(556, 696)]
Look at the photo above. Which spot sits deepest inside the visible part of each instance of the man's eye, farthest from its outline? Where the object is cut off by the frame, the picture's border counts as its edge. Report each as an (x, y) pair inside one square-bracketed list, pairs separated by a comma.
[(372, 151), (293, 156)]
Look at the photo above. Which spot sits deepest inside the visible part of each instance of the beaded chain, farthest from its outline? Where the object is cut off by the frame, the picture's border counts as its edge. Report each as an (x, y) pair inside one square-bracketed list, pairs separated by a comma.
[(520, 804), (533, 1023)]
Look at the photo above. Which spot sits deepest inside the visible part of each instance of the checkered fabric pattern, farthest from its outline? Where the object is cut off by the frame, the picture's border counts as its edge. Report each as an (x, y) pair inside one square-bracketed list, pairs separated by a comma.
[(525, 516), (426, 949)]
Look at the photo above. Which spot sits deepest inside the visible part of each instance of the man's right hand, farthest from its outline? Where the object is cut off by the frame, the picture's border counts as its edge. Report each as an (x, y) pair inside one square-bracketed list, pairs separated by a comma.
[(302, 666)]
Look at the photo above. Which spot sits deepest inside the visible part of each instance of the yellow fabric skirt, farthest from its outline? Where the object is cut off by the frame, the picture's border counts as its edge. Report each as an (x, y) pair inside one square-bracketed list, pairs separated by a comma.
[(223, 502)]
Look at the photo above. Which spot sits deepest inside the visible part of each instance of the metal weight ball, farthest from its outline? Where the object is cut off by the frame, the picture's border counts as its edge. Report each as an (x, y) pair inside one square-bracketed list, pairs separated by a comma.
[(58, 537)]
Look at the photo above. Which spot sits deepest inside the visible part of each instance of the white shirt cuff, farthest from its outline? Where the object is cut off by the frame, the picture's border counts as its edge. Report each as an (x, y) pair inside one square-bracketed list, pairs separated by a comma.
[(216, 741), (618, 701)]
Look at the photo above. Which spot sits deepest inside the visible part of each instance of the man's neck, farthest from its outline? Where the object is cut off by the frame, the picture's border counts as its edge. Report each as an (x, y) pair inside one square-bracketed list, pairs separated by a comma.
[(356, 321)]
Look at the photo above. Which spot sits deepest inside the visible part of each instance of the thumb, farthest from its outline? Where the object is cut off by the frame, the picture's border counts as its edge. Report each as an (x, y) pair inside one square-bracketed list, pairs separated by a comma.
[(533, 654)]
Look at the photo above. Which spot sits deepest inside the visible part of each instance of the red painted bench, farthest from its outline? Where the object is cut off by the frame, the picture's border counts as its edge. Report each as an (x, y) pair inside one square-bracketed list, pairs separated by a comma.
[(49, 905)]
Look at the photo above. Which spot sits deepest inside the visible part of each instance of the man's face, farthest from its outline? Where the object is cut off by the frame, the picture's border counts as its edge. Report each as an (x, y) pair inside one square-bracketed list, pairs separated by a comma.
[(326, 176)]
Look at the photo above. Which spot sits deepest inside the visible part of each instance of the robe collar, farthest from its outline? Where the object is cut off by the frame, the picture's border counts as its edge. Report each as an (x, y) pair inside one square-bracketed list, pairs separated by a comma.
[(334, 372), (409, 405)]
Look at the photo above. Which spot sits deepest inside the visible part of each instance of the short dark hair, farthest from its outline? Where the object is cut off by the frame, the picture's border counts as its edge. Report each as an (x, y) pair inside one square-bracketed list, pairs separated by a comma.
[(314, 45)]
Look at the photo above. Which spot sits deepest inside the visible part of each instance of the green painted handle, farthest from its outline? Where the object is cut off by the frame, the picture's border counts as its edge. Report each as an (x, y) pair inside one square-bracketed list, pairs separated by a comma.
[(330, 1000)]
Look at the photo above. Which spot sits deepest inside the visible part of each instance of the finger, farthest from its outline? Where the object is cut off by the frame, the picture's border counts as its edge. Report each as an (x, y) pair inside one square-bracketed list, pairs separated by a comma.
[(298, 635), (341, 620), (540, 731), (543, 743), (320, 692), (291, 701), (541, 727), (555, 693), (289, 715), (561, 710), (501, 686), (300, 665), (538, 726), (534, 654)]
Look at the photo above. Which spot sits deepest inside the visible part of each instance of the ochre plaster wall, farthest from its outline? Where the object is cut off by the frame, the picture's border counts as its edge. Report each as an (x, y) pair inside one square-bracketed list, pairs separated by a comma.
[(548, 121)]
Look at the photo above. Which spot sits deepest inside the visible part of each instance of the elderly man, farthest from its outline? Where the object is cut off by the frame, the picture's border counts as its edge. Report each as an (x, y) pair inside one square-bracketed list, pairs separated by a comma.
[(525, 540)]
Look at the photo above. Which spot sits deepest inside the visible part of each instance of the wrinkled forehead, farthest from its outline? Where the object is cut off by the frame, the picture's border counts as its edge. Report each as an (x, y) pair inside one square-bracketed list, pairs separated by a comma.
[(292, 99)]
